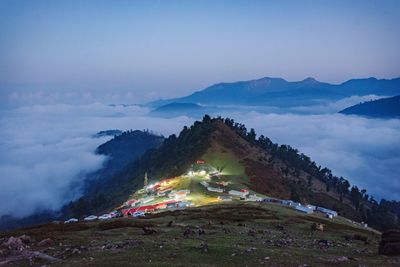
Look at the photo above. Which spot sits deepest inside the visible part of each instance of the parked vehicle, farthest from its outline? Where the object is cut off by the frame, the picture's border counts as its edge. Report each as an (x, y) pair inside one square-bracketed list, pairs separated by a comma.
[(105, 217), (115, 214), (90, 218), (72, 220), (138, 214)]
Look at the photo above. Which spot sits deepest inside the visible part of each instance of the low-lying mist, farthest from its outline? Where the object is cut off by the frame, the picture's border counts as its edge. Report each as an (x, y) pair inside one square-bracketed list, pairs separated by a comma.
[(46, 150)]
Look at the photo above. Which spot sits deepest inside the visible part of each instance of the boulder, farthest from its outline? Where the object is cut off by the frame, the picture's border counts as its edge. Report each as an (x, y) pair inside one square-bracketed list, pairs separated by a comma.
[(317, 227), (14, 243), (149, 231), (390, 243), (46, 242), (25, 239)]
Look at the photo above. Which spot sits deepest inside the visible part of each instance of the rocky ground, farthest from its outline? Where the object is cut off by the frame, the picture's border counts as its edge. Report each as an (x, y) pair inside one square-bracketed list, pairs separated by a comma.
[(245, 234)]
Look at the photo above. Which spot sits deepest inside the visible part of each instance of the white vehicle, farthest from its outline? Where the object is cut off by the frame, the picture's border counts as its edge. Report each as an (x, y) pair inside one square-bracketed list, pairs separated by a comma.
[(72, 220), (91, 218), (138, 214), (105, 217)]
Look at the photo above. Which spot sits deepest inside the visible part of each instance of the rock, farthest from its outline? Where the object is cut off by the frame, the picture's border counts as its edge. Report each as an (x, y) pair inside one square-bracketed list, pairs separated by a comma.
[(340, 259), (43, 256), (46, 242), (317, 227), (252, 232), (201, 232), (203, 247), (76, 251), (14, 244), (390, 243), (149, 231), (391, 236), (390, 249), (25, 239), (188, 232), (170, 223)]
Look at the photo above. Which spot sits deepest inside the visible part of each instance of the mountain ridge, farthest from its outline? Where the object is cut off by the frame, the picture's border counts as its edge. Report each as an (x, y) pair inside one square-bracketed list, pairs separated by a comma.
[(282, 93), (380, 108)]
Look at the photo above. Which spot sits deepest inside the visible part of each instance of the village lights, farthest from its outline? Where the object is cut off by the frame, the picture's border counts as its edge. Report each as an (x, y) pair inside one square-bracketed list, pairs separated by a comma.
[(190, 173), (203, 172)]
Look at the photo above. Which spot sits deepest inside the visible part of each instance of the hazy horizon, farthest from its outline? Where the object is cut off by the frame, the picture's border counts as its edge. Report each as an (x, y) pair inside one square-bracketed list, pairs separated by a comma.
[(142, 51)]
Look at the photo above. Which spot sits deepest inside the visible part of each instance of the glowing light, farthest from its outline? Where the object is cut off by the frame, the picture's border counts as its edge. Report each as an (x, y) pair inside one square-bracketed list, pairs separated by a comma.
[(190, 173), (203, 173)]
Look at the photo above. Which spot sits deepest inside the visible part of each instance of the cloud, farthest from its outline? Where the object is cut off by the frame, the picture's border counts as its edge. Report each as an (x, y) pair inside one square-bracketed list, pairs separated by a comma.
[(333, 107), (364, 151), (46, 150)]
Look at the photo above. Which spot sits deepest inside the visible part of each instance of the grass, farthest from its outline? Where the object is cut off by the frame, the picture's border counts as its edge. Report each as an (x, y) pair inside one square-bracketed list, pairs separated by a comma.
[(227, 227)]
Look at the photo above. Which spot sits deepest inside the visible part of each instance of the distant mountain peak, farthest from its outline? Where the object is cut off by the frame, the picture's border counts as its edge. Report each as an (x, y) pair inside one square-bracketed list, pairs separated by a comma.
[(310, 80), (277, 92)]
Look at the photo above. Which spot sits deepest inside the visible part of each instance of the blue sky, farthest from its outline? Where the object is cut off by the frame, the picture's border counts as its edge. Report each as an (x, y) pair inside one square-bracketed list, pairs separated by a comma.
[(155, 49)]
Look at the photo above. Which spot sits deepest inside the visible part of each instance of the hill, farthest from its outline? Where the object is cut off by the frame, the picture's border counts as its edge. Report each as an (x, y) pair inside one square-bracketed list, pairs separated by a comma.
[(120, 150), (175, 109), (107, 133), (243, 161), (281, 93), (380, 108)]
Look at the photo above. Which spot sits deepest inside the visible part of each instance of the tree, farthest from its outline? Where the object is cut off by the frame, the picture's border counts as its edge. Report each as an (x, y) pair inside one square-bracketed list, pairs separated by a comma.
[(252, 135), (206, 119)]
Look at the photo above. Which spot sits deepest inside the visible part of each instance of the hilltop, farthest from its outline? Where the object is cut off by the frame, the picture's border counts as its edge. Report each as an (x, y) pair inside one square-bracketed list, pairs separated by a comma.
[(380, 108)]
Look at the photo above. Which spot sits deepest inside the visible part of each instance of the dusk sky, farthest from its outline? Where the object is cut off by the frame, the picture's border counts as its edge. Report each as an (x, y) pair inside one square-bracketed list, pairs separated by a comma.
[(158, 49)]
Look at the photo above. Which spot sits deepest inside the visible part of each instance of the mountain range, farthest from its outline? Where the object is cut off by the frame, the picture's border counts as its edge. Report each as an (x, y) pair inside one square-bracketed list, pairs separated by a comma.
[(281, 93)]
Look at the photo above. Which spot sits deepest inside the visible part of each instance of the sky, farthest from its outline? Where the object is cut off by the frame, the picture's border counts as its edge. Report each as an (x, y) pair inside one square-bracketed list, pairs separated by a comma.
[(137, 51)]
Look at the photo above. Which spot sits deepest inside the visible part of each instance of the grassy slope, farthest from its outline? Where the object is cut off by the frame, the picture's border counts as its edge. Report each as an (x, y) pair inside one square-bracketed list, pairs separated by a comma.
[(228, 239)]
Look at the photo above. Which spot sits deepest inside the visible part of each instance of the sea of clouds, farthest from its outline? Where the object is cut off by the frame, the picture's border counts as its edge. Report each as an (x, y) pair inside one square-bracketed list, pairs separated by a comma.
[(46, 150)]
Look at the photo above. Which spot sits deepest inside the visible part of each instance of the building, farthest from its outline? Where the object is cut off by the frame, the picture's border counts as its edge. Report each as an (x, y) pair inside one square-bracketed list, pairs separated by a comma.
[(224, 198), (254, 198), (311, 207), (131, 202), (327, 211), (215, 189), (304, 209), (147, 199), (244, 191), (205, 184), (183, 204), (181, 193), (287, 203), (237, 193)]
